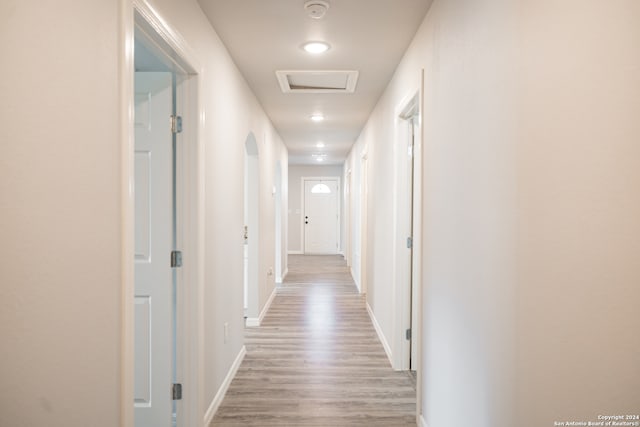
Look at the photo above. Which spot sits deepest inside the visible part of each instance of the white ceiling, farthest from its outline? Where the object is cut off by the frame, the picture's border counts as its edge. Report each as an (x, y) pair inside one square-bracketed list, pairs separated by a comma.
[(368, 36)]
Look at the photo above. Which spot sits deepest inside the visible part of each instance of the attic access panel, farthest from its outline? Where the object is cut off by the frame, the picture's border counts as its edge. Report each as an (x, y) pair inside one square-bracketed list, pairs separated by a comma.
[(323, 81)]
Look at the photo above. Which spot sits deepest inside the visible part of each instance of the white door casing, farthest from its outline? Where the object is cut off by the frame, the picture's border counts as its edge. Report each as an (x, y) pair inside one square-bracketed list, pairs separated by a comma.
[(252, 231), (153, 243), (321, 216), (407, 233), (364, 215)]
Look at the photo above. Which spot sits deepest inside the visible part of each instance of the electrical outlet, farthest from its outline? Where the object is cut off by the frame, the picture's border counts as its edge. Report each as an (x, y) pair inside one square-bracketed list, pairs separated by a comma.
[(226, 331)]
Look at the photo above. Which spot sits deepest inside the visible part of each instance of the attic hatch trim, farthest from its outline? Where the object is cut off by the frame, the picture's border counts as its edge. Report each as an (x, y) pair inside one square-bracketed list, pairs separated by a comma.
[(317, 81)]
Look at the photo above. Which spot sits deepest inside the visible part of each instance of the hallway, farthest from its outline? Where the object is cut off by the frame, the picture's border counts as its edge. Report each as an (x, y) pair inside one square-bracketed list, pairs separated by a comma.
[(316, 360), (487, 156)]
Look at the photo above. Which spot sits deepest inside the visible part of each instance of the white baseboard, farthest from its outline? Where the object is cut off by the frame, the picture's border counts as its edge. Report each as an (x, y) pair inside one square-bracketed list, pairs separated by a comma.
[(355, 280), (381, 336), (423, 422), (253, 322), (295, 253), (284, 276), (215, 404)]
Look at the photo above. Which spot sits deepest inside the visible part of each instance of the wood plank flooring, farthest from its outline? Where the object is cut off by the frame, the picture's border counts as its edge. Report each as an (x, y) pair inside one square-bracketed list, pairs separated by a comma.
[(316, 359)]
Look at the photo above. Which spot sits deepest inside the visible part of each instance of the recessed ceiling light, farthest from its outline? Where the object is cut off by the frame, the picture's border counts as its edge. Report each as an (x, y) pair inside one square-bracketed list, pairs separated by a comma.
[(316, 47), (317, 117), (320, 145)]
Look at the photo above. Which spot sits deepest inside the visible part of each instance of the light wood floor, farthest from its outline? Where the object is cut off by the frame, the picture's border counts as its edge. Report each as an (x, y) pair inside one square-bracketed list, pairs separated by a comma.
[(316, 360)]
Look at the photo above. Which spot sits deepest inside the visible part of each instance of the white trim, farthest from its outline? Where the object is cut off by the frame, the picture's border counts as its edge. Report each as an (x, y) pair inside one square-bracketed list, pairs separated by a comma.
[(284, 276), (127, 228), (423, 422), (355, 280), (296, 253), (253, 322), (224, 387), (253, 170), (383, 339), (419, 224), (170, 45), (164, 34), (407, 211), (346, 226), (364, 219)]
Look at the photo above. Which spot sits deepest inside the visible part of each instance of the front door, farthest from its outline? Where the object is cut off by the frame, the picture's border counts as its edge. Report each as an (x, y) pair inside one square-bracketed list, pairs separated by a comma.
[(154, 174), (321, 216)]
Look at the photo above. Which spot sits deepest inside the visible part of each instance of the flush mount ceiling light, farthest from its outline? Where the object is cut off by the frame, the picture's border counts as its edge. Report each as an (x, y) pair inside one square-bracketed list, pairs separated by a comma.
[(316, 47), (320, 145), (317, 117)]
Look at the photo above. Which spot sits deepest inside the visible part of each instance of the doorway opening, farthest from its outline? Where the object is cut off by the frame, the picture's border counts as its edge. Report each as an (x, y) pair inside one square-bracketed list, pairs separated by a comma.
[(277, 195), (407, 243), (251, 230), (166, 187), (363, 207), (348, 219)]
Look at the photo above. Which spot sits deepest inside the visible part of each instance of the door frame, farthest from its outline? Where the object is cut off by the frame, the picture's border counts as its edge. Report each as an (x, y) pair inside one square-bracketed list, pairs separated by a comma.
[(348, 183), (405, 213), (364, 220), (251, 212), (339, 208), (408, 309), (407, 266), (169, 46), (277, 210)]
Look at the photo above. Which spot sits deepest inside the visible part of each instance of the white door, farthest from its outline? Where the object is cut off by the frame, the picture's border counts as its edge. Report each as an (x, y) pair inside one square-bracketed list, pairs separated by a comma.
[(321, 216), (153, 243)]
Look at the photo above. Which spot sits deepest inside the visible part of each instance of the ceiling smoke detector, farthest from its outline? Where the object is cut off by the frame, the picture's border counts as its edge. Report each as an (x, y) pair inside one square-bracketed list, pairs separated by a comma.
[(316, 9)]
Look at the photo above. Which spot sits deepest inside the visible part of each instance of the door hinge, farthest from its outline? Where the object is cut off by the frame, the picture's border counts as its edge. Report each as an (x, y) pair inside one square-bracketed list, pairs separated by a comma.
[(409, 242), (176, 392), (408, 334), (176, 124), (176, 259)]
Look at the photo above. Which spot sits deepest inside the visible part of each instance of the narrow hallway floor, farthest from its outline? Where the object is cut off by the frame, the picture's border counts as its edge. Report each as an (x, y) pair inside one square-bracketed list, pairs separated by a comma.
[(316, 359)]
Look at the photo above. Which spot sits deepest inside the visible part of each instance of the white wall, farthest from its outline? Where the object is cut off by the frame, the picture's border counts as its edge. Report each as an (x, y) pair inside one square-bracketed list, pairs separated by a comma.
[(579, 210), (60, 214), (530, 205), (60, 197), (296, 208)]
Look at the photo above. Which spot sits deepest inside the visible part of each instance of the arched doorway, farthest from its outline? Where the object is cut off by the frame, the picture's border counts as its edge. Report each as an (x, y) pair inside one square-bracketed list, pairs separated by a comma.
[(252, 227)]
